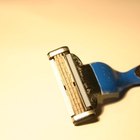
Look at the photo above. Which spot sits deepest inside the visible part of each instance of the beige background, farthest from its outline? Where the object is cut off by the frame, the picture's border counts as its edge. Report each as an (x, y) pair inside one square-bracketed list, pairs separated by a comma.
[(31, 105)]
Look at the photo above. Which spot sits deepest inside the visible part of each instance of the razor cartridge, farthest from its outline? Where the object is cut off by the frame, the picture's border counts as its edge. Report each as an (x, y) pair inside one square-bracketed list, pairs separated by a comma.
[(84, 86)]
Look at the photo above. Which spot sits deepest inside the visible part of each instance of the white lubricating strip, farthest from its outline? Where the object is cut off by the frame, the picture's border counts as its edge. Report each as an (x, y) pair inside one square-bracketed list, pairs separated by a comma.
[(59, 80), (78, 80)]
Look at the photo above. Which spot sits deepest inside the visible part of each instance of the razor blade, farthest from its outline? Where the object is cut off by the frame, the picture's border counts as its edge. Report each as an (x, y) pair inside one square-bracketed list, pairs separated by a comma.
[(85, 86)]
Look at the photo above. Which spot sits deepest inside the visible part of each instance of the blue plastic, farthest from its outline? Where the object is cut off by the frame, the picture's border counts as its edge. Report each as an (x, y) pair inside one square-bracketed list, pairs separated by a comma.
[(112, 81)]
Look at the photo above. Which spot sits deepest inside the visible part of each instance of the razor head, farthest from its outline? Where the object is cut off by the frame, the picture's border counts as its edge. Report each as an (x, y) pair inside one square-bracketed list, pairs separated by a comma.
[(78, 95)]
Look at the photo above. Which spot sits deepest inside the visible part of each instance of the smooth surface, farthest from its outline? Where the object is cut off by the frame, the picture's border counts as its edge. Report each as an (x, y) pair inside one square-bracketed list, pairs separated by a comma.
[(31, 105)]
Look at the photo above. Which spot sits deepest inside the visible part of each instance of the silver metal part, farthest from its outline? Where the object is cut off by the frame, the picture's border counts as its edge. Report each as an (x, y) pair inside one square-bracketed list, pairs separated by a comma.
[(58, 51), (82, 117), (75, 96)]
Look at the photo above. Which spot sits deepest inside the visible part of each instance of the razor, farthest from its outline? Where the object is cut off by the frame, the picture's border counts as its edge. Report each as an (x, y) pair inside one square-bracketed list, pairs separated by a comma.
[(84, 86)]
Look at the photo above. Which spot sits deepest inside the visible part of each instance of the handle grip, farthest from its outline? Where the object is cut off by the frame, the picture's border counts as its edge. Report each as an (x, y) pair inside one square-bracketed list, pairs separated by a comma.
[(129, 79), (112, 81)]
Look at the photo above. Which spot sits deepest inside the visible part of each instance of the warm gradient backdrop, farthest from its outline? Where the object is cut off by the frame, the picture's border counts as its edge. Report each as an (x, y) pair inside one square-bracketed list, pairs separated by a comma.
[(31, 105)]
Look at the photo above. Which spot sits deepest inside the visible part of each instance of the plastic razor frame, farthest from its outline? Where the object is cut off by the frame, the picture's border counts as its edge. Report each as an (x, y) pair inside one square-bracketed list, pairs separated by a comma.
[(72, 87)]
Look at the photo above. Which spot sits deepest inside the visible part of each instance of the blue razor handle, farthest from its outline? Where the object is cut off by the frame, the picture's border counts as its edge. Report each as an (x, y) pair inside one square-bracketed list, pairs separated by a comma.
[(87, 87), (111, 81)]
